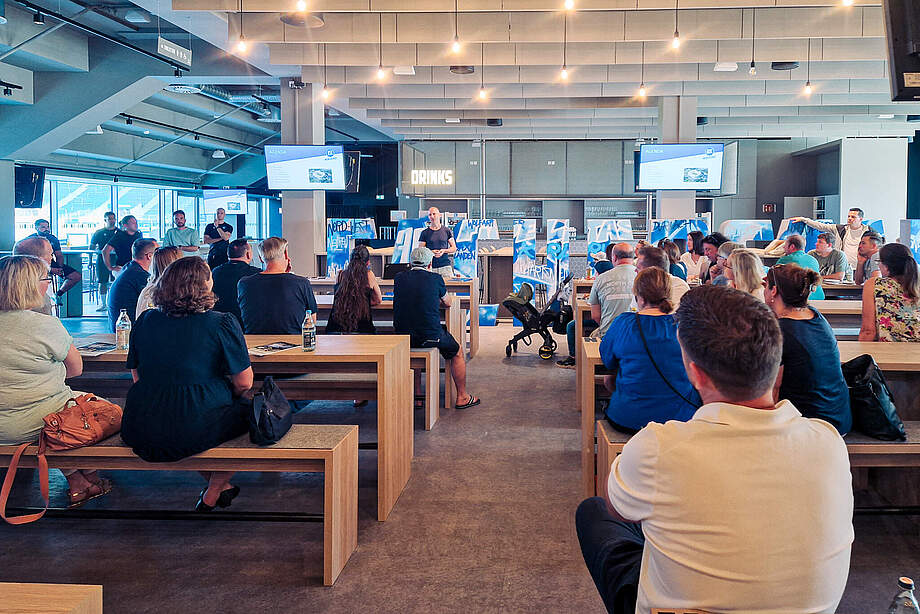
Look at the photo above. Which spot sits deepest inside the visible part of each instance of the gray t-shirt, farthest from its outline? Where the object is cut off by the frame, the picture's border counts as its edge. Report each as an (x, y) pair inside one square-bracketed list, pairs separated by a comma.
[(834, 262), (31, 373), (870, 266), (613, 292)]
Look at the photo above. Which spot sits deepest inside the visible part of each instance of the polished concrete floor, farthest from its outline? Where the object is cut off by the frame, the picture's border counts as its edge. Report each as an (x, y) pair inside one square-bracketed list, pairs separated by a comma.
[(485, 524)]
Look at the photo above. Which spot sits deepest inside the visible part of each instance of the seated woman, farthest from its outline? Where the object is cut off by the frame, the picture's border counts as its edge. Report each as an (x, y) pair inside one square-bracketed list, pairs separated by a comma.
[(38, 354), (162, 258), (809, 375), (190, 366), (678, 268), (744, 271), (891, 303), (695, 258), (356, 291), (651, 384)]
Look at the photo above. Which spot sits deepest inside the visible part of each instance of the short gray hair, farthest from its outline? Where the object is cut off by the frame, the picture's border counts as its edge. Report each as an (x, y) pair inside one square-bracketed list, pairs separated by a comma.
[(727, 248), (273, 248)]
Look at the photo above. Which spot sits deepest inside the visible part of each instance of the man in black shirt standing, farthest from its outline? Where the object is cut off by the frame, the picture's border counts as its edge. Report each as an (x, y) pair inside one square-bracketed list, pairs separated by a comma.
[(121, 243), (440, 240), (217, 235), (275, 301), (100, 239), (227, 276), (417, 298)]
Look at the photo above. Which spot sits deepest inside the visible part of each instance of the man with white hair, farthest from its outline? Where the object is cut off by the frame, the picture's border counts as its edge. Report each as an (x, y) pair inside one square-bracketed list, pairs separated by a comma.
[(41, 247), (274, 301), (440, 240)]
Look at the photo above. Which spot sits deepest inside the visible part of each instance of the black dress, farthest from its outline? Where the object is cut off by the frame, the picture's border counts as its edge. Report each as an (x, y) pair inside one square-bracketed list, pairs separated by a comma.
[(183, 402)]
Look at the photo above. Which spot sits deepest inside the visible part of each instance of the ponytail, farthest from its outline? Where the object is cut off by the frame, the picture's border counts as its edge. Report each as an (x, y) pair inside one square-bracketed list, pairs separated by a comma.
[(793, 283), (901, 265)]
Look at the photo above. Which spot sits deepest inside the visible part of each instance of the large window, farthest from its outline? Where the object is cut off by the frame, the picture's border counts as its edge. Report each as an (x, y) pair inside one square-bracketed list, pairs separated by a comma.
[(144, 204), (81, 208)]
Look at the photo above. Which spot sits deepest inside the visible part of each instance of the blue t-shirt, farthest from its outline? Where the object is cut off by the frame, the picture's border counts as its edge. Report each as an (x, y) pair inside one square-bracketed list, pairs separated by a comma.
[(806, 262), (274, 303), (437, 239), (641, 396), (125, 291), (812, 377), (417, 303)]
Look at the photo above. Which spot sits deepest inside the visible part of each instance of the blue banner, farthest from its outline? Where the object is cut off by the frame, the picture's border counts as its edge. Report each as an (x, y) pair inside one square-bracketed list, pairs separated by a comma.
[(407, 237), (557, 251), (602, 233), (914, 237), (488, 315), (339, 235), (788, 227), (675, 229), (466, 260), (525, 254), (742, 231), (488, 229)]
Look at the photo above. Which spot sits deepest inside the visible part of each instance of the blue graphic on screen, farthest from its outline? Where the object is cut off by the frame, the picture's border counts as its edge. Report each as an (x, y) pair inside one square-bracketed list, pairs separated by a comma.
[(801, 228), (488, 229), (557, 251), (675, 229), (488, 315), (408, 233), (339, 235), (878, 226), (524, 265), (305, 167), (466, 260), (742, 231), (602, 233), (233, 202), (681, 166), (914, 243)]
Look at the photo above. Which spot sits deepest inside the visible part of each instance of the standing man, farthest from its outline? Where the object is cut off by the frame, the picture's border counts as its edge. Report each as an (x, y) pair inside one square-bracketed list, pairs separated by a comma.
[(440, 240), (227, 276), (131, 281), (43, 230), (867, 260), (846, 236), (121, 243), (217, 234), (100, 239), (833, 263), (795, 254), (181, 236), (275, 301)]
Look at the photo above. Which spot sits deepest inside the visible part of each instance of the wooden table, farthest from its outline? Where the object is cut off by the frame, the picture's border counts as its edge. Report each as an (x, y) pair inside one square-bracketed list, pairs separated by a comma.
[(22, 598), (832, 290), (387, 356), (840, 313), (582, 286), (589, 358)]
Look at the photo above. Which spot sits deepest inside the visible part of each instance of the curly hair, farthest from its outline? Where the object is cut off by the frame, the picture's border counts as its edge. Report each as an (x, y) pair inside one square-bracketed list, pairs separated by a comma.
[(351, 305), (182, 288)]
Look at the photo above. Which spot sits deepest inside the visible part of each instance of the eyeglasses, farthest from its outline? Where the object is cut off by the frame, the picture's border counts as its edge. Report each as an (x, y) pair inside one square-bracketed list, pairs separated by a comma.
[(46, 278)]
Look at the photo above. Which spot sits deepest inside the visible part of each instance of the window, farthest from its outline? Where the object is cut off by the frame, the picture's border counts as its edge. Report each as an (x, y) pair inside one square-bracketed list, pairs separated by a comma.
[(252, 217), (25, 218), (144, 204), (81, 208)]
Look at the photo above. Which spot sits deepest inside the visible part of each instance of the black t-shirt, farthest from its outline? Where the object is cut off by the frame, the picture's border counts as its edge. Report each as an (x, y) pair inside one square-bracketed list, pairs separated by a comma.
[(122, 242), (100, 239), (55, 244), (812, 377), (437, 239), (274, 303), (217, 251), (417, 303), (125, 291), (226, 277)]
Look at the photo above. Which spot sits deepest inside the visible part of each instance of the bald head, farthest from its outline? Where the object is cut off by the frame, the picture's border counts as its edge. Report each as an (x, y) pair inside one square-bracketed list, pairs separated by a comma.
[(34, 246), (622, 253), (434, 217)]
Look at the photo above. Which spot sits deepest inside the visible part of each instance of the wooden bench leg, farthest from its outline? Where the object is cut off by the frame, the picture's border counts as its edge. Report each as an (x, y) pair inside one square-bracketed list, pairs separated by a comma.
[(340, 507), (432, 381)]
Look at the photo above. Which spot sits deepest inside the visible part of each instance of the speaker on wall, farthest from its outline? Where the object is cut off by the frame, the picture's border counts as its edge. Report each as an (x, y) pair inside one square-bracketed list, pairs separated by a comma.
[(29, 186), (902, 26)]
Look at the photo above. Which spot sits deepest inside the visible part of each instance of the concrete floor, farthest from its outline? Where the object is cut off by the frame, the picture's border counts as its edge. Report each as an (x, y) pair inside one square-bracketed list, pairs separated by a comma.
[(484, 525)]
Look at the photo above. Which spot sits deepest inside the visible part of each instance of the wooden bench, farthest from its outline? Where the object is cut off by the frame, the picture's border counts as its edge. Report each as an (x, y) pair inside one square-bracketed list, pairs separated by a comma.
[(22, 598), (427, 361), (327, 449)]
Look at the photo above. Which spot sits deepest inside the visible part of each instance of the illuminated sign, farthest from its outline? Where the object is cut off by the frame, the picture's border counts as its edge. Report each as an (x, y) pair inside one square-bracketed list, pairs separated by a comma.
[(437, 177)]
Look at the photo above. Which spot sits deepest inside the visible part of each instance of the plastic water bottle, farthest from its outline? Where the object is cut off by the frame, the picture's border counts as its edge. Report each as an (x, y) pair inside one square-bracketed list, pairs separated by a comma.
[(309, 332), (904, 602), (122, 331)]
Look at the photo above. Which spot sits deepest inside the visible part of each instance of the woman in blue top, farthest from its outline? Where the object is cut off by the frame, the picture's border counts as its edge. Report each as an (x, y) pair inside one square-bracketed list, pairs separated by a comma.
[(651, 384)]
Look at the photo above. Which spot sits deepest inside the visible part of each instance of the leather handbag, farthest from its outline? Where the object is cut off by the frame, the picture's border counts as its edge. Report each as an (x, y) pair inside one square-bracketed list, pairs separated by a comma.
[(85, 420), (271, 416), (871, 402)]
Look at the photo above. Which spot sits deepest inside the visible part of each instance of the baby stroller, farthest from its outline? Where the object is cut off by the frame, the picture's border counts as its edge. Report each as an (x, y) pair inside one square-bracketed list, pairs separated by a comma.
[(535, 322)]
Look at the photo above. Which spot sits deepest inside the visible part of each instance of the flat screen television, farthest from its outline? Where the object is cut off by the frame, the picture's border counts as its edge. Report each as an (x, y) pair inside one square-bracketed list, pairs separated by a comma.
[(305, 167), (232, 201), (681, 166)]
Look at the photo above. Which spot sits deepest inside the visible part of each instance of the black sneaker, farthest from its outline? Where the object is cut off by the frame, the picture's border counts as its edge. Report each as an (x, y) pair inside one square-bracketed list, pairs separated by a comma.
[(566, 363)]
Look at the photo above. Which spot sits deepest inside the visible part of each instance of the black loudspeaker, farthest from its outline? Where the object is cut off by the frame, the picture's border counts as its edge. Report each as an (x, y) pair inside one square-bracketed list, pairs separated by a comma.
[(902, 26), (30, 183)]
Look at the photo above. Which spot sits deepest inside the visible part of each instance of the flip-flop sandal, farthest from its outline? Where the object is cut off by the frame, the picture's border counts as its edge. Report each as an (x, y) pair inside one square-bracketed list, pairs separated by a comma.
[(96, 489), (471, 403)]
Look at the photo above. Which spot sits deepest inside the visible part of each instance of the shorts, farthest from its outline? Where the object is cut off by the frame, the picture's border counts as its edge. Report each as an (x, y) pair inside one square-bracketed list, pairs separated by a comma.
[(446, 271), (446, 344)]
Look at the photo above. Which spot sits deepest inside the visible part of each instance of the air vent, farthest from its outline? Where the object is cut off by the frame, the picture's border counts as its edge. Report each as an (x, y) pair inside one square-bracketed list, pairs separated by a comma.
[(784, 65), (300, 20), (462, 70), (494, 122), (181, 88)]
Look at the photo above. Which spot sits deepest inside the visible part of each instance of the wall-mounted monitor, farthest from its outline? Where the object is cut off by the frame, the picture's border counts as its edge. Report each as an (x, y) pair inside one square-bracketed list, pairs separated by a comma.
[(232, 201), (681, 166), (305, 167)]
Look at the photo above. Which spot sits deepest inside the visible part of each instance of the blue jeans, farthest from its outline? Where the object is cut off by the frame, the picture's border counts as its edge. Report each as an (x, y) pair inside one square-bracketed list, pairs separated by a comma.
[(613, 553), (570, 333)]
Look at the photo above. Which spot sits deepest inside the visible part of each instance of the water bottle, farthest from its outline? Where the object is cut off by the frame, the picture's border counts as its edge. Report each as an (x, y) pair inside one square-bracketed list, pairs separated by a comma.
[(309, 332), (122, 331), (904, 602)]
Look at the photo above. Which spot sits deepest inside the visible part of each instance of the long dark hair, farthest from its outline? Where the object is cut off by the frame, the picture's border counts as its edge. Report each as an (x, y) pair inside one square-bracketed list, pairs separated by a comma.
[(697, 237), (351, 304), (902, 267)]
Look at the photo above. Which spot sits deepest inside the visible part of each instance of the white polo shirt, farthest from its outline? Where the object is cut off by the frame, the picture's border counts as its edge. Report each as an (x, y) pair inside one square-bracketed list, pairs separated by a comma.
[(743, 510)]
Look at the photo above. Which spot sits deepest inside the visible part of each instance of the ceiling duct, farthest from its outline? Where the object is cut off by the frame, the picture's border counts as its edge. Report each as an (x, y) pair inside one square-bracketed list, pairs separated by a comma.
[(300, 20)]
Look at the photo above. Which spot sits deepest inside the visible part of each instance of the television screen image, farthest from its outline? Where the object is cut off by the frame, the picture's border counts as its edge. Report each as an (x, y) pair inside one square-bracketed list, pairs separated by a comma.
[(681, 166), (305, 167), (232, 201)]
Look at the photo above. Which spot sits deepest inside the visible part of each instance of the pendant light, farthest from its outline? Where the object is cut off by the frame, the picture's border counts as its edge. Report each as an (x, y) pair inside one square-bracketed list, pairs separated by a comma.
[(675, 42), (325, 91), (808, 89), (642, 89), (455, 46), (380, 72), (569, 5), (564, 73), (753, 70), (482, 69), (301, 5), (241, 44)]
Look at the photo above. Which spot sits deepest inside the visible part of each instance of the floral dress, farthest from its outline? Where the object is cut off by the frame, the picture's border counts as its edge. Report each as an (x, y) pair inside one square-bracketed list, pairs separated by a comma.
[(897, 318)]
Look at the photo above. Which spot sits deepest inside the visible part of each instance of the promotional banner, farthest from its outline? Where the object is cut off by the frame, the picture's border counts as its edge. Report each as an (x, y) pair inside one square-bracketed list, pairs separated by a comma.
[(524, 265), (910, 236), (788, 227), (742, 231), (602, 233), (557, 251), (675, 229), (488, 229), (466, 260), (407, 237), (339, 234)]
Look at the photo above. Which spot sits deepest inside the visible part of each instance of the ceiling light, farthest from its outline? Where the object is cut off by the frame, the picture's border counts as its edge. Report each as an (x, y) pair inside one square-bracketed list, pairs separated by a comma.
[(564, 73), (2, 14), (325, 93), (642, 90), (381, 73), (241, 46), (808, 89), (146, 132), (675, 42), (886, 116), (455, 46), (38, 19), (182, 88), (753, 70), (135, 15), (404, 71), (301, 5), (462, 70), (302, 19), (482, 93), (569, 5), (846, 2), (452, 120), (725, 67), (218, 154), (98, 129)]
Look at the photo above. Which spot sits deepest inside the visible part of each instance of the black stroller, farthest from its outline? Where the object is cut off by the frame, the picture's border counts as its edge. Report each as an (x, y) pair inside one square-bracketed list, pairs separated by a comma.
[(535, 322)]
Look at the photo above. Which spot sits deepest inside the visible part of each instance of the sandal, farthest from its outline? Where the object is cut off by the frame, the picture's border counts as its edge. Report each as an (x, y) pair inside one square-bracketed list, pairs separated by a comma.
[(471, 403), (96, 489)]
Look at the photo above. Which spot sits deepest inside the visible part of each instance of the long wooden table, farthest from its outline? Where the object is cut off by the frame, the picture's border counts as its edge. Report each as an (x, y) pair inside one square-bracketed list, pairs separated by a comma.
[(850, 291), (386, 356), (840, 313)]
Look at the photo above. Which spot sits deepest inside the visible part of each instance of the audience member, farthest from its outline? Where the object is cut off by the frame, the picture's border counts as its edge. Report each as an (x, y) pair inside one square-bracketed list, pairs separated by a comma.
[(227, 277), (38, 354), (40, 247), (711, 269), (131, 281), (440, 240), (190, 365), (417, 298), (654, 257), (676, 267), (121, 243), (162, 258), (217, 235), (694, 258), (356, 291), (651, 384), (794, 246), (43, 230), (748, 506), (891, 303), (744, 271), (810, 376), (846, 237), (274, 301), (180, 235), (100, 239), (832, 263), (718, 271), (867, 262)]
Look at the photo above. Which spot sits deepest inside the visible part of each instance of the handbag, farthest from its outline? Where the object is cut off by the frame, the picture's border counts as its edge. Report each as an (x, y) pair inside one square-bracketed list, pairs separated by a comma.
[(84, 420), (871, 401), (271, 416)]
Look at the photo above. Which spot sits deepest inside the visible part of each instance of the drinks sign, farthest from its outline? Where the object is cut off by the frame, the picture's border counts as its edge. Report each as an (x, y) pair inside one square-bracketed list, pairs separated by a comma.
[(432, 177)]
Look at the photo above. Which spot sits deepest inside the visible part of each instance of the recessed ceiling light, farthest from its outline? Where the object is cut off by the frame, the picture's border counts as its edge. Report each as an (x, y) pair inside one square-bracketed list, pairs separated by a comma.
[(452, 120), (146, 132), (725, 67), (462, 70), (886, 116), (404, 71), (218, 154)]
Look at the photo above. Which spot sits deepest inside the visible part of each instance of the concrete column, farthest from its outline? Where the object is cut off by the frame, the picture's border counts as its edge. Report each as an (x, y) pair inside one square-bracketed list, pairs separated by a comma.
[(303, 213), (677, 122), (7, 201)]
